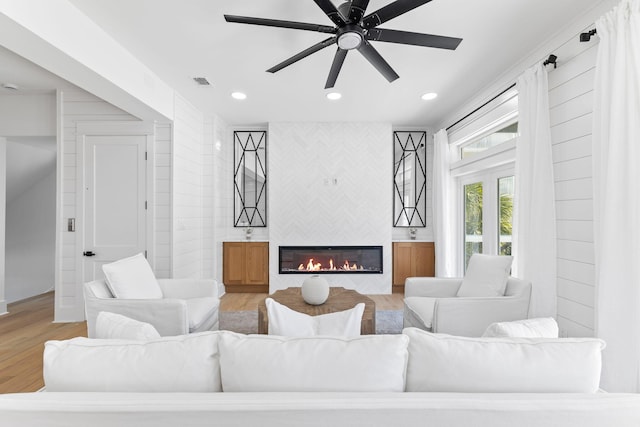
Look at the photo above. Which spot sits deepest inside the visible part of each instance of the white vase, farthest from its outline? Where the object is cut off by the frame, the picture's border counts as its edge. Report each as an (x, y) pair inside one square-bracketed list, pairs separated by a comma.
[(315, 290)]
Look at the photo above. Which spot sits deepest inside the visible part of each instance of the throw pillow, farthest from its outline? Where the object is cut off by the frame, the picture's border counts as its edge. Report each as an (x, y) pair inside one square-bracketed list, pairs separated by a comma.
[(117, 326), (543, 327), (132, 278), (184, 363), (287, 322), (486, 276), (367, 363), (447, 363)]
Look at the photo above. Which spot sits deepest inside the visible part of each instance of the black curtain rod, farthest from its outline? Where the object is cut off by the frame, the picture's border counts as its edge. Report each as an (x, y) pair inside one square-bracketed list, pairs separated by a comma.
[(484, 105), (551, 60)]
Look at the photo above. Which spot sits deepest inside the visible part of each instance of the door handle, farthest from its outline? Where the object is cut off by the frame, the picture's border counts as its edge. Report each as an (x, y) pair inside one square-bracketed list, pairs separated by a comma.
[(88, 253)]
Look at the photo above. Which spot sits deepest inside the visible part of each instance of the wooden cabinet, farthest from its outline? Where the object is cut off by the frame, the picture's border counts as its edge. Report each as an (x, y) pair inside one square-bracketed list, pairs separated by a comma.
[(245, 266), (412, 259)]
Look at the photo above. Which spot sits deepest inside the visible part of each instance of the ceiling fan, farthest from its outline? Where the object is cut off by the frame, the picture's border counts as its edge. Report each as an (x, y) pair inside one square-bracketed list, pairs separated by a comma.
[(354, 30)]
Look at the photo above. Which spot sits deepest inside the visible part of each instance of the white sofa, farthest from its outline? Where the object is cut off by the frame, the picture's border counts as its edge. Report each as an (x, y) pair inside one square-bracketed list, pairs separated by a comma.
[(227, 379)]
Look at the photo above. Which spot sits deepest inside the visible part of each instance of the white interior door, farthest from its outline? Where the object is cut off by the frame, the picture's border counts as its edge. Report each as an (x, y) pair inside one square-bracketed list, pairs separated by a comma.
[(114, 200)]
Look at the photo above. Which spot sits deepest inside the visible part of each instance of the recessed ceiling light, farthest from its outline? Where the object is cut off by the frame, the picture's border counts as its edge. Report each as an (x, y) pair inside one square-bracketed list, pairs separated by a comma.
[(334, 96), (239, 95), (10, 86), (429, 96)]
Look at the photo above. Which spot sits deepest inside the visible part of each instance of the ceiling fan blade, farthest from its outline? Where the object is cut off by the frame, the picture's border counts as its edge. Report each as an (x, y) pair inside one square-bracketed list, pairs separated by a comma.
[(330, 10), (338, 60), (377, 61), (295, 58), (416, 39), (280, 24), (357, 10), (390, 11)]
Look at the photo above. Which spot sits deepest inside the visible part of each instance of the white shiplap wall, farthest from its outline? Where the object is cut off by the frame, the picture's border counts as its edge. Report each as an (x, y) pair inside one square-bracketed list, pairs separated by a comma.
[(222, 177), (188, 146), (570, 113), (208, 197), (217, 182), (162, 200)]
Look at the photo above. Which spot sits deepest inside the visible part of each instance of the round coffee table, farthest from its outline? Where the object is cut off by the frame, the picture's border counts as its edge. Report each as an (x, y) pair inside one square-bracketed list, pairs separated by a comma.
[(340, 299)]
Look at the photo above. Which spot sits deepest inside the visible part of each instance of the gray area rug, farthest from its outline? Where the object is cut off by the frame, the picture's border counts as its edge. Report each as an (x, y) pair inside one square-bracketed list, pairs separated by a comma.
[(246, 322)]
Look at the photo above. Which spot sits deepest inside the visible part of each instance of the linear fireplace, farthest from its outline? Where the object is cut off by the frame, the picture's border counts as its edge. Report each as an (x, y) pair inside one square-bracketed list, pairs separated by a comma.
[(330, 259)]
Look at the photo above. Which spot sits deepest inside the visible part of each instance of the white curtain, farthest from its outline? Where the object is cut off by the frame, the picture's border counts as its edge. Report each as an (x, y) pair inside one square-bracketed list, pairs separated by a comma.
[(616, 180), (442, 205), (534, 244)]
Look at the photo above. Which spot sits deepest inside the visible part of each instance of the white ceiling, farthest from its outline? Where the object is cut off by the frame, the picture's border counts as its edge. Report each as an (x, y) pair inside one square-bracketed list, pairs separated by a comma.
[(182, 39)]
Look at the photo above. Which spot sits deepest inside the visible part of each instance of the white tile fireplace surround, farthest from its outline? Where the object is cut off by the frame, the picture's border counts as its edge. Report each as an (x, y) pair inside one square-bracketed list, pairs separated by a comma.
[(330, 184)]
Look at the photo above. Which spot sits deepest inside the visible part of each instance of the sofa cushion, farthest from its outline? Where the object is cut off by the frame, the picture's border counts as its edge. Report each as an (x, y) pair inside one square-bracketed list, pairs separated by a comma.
[(200, 310), (445, 363), (275, 363), (99, 289), (486, 276), (542, 327), (117, 326), (418, 311), (132, 278), (185, 363), (287, 322)]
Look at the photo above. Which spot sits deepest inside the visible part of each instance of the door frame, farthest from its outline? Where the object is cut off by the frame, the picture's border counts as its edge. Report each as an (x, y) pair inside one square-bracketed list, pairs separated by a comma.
[(116, 128), (3, 207)]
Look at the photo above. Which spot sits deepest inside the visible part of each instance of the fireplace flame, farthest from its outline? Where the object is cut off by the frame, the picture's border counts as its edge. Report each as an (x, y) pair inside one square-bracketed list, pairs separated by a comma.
[(311, 266), (317, 266)]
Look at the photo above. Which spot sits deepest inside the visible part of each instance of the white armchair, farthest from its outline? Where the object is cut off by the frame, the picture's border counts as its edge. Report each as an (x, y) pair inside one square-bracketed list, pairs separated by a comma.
[(432, 304), (186, 306)]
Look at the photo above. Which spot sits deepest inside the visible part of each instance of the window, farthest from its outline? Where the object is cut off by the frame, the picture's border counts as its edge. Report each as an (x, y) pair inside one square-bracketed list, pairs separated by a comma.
[(485, 146), (488, 212), (493, 139)]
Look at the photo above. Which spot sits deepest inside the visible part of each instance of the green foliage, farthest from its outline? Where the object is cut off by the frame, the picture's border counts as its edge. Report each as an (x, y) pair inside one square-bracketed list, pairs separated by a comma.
[(473, 208), (506, 214)]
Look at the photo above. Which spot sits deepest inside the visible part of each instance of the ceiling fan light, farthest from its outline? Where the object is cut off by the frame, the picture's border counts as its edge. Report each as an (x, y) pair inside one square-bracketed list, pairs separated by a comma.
[(239, 95), (334, 96), (349, 40), (429, 96)]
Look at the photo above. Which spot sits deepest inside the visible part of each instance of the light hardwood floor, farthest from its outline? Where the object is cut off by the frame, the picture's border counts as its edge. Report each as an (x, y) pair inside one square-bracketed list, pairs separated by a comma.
[(29, 323), (22, 335)]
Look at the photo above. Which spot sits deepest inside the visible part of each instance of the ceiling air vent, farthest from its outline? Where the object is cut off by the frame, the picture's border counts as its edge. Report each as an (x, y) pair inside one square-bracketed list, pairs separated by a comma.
[(202, 81)]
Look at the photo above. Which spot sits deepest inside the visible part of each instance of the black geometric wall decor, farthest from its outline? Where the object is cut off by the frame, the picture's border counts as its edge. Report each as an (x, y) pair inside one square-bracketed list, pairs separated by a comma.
[(250, 178), (409, 179)]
